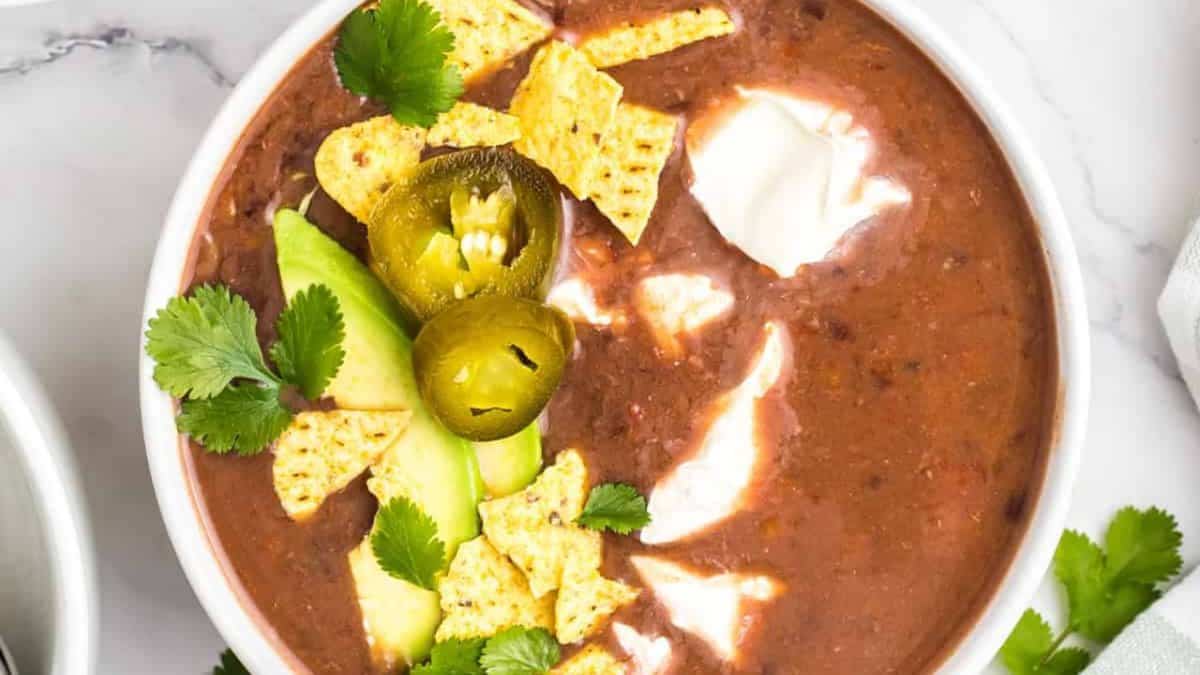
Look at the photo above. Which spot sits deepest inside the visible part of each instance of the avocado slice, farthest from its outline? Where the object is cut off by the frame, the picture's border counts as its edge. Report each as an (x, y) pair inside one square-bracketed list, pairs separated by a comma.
[(438, 470), (400, 618), (510, 464)]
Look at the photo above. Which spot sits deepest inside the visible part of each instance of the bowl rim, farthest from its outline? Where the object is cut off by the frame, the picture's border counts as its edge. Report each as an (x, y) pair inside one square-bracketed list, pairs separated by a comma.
[(44, 455), (255, 642)]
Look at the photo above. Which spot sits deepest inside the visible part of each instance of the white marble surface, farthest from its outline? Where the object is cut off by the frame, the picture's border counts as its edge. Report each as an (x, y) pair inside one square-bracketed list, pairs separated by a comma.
[(102, 102)]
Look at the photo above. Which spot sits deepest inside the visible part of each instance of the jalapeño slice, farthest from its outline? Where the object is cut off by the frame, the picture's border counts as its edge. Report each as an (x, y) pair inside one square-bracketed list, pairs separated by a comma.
[(477, 222), (488, 365)]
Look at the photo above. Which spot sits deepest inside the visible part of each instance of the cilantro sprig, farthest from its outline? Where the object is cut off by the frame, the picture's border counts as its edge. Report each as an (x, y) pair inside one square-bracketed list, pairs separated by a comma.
[(1106, 590), (513, 651), (1031, 648), (406, 544), (615, 506), (520, 651), (309, 352), (453, 657), (206, 353), (396, 54), (244, 418), (203, 343), (230, 665)]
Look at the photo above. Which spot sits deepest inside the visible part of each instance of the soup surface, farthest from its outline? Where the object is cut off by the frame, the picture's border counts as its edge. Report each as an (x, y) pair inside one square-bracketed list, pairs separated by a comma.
[(902, 447)]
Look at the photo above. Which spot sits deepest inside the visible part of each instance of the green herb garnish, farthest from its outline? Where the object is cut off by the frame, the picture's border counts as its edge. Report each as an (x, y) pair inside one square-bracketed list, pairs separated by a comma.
[(309, 352), (206, 353), (230, 665), (203, 343), (396, 54), (244, 418), (1030, 649), (406, 544), (453, 657), (515, 651), (615, 506), (1106, 590), (520, 651)]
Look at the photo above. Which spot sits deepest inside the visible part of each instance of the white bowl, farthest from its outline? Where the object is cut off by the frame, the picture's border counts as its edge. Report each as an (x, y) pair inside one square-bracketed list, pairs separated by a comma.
[(48, 599), (257, 645)]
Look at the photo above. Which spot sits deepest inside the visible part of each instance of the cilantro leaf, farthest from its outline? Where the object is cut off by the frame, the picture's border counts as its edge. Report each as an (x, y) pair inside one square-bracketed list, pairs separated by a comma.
[(309, 352), (1029, 650), (1115, 609), (244, 418), (206, 353), (1079, 566), (615, 506), (1027, 645), (1143, 546), (520, 651), (230, 665), (396, 54), (406, 544), (202, 343), (1106, 590), (453, 657)]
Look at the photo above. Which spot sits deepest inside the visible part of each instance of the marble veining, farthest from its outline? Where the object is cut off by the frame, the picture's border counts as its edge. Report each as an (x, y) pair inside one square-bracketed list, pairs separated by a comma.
[(1107, 316), (58, 48), (103, 102)]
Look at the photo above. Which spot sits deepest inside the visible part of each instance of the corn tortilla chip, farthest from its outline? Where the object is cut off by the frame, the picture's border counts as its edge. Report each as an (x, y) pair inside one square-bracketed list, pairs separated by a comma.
[(586, 600), (634, 153), (483, 593), (535, 527), (468, 125), (591, 660), (357, 164), (321, 452), (388, 606), (641, 41), (566, 108), (487, 33)]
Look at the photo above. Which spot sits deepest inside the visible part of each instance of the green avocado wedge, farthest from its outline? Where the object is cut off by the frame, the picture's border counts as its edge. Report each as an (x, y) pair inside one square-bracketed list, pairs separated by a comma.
[(377, 372), (440, 472), (510, 464)]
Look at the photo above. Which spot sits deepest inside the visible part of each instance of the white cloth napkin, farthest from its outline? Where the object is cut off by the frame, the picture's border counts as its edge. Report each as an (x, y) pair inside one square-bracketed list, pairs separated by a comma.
[(1179, 307), (1164, 640)]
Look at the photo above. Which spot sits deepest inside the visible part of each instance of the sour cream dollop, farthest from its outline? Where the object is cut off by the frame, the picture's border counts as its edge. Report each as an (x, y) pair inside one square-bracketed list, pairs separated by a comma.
[(708, 487), (648, 655), (711, 608), (577, 299), (782, 178), (676, 305)]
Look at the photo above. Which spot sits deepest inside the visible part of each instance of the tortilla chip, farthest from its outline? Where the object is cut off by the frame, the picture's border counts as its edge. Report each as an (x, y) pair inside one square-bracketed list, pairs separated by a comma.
[(468, 125), (357, 164), (667, 33), (388, 606), (586, 600), (591, 660), (566, 108), (634, 153), (483, 593), (536, 526), (321, 452), (487, 33)]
